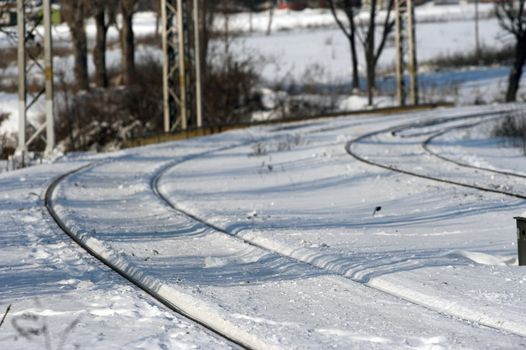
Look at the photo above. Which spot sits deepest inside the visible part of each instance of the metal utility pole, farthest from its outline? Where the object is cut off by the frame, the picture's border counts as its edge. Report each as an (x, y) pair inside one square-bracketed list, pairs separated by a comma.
[(400, 52), (31, 62), (406, 45), (198, 77), (413, 62), (181, 69), (477, 38)]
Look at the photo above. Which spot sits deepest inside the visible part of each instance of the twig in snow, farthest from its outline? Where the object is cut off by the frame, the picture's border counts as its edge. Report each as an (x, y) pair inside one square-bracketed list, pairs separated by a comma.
[(5, 315)]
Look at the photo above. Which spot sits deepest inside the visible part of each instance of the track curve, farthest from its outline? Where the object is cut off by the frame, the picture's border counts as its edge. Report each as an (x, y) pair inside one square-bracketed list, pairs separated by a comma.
[(427, 148), (122, 271), (397, 129), (480, 318)]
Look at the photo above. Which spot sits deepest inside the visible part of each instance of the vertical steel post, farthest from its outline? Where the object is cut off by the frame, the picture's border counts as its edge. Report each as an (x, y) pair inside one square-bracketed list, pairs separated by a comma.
[(400, 88), (180, 69), (166, 68), (48, 73), (182, 65), (521, 240), (21, 32), (197, 50), (477, 39), (413, 64)]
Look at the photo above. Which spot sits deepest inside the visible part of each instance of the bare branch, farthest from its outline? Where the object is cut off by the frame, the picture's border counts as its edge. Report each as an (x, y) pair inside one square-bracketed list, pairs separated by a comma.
[(5, 315), (338, 21)]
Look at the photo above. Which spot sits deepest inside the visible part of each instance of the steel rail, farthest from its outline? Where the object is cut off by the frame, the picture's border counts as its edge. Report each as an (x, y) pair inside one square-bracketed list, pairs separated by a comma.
[(427, 148), (48, 203), (363, 159), (155, 184)]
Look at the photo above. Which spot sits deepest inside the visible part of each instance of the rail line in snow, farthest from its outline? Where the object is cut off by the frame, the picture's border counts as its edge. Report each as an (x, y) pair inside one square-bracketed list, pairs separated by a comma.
[(441, 306), (138, 279), (124, 271), (425, 146)]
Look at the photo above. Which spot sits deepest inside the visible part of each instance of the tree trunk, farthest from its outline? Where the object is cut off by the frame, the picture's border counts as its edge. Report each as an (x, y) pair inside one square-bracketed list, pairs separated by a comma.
[(99, 51), (128, 45), (516, 71), (370, 53), (271, 17), (354, 57), (80, 44)]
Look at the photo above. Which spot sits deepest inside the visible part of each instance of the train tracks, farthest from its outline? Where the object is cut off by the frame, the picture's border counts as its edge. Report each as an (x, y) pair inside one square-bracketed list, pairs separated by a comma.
[(124, 270), (169, 298), (426, 146)]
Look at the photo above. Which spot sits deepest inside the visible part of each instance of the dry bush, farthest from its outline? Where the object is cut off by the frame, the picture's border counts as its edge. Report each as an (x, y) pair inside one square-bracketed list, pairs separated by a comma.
[(487, 56), (6, 148), (512, 128), (102, 118), (230, 91)]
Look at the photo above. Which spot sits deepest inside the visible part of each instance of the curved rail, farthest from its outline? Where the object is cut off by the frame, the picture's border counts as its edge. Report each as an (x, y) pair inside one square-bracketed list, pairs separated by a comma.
[(349, 145), (170, 304), (154, 183), (471, 315), (426, 144)]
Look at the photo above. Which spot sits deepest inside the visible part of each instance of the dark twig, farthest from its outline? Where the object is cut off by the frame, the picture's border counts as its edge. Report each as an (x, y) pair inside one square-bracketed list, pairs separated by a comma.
[(5, 315)]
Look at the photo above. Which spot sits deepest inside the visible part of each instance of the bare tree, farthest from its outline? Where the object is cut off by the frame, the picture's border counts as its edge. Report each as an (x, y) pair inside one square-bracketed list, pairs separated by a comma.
[(348, 7), (512, 18), (271, 16), (104, 13), (367, 34), (74, 12), (368, 39), (127, 10)]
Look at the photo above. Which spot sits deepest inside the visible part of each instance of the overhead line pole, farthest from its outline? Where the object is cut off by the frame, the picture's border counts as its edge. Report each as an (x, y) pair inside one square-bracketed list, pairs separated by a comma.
[(29, 21), (48, 74), (198, 81), (406, 48), (182, 104), (400, 67), (413, 63), (22, 97)]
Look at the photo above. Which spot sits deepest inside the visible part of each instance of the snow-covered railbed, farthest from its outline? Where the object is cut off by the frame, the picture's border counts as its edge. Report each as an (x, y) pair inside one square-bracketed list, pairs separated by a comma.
[(61, 297), (296, 192), (413, 155), (428, 243), (475, 146)]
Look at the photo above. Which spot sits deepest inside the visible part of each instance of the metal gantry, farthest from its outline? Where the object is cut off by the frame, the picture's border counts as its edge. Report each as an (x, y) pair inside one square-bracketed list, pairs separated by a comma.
[(181, 65), (406, 49), (35, 60)]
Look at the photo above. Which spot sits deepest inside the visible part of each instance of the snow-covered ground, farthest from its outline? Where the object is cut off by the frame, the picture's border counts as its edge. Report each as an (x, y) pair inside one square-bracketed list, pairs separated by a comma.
[(435, 267)]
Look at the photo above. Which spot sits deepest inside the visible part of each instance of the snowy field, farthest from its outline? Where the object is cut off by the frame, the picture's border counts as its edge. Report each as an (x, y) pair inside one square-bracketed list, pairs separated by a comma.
[(295, 252)]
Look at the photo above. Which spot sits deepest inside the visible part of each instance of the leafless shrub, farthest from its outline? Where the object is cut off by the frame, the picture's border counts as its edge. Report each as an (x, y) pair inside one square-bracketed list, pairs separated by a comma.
[(281, 144), (6, 149), (102, 118), (33, 327), (512, 128), (486, 56), (230, 93)]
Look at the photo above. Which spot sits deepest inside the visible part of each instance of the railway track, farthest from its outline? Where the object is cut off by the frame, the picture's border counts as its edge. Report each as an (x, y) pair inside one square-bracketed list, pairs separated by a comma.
[(515, 328), (425, 145), (155, 187), (134, 279)]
